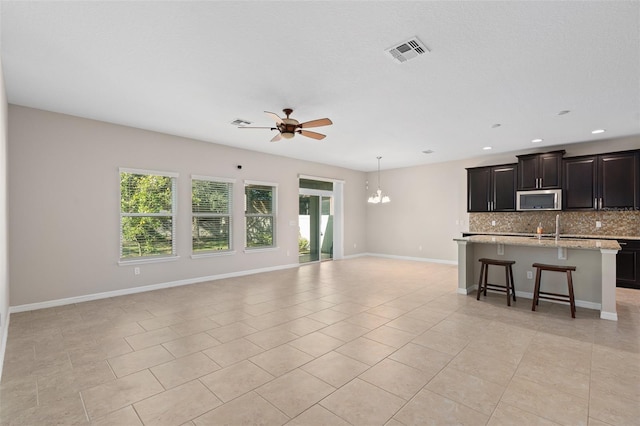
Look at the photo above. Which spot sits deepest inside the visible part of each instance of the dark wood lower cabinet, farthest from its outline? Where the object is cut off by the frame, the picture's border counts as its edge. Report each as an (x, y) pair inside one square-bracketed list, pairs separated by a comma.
[(628, 264)]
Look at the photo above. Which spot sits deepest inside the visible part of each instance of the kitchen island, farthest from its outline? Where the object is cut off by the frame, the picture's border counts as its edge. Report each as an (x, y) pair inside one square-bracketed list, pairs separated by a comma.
[(594, 280)]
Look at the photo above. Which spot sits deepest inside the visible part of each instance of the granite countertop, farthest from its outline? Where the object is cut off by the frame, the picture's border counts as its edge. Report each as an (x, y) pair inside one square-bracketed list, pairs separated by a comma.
[(589, 237), (545, 241)]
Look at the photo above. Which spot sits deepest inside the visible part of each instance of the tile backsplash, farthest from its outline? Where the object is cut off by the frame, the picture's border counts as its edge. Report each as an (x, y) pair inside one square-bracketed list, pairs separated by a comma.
[(613, 223)]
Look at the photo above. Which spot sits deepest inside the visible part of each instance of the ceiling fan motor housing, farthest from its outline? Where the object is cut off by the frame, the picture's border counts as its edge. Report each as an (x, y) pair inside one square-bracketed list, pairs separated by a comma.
[(288, 126)]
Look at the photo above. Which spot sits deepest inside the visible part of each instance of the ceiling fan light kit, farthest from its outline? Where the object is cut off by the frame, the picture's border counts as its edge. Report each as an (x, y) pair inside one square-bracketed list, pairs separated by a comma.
[(288, 127), (378, 197)]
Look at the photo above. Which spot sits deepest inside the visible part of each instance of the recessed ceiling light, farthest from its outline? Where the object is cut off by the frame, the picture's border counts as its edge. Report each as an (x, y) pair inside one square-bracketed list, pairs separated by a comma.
[(427, 151), (563, 112), (536, 140), (496, 125), (487, 148), (595, 132)]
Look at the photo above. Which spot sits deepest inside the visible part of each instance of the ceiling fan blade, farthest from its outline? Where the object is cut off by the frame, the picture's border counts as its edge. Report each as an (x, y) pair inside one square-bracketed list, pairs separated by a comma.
[(316, 123), (313, 135), (276, 138), (274, 116)]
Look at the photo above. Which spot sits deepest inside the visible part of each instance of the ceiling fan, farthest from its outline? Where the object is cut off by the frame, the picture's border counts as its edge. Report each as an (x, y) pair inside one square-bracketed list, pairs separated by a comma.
[(288, 127)]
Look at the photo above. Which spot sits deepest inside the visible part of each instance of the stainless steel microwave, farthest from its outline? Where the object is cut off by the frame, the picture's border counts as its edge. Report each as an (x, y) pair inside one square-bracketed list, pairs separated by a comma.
[(540, 199)]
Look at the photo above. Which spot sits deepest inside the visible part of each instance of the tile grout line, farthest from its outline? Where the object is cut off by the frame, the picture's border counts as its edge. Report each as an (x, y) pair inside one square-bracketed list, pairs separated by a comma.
[(461, 309), (84, 407)]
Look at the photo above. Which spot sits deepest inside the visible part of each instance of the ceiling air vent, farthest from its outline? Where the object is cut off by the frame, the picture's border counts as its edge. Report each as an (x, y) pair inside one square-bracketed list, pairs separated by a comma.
[(409, 49), (240, 122)]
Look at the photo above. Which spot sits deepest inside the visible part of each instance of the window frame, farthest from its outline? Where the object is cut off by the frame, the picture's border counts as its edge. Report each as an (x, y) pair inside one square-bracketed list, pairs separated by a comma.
[(173, 215), (229, 215), (273, 215)]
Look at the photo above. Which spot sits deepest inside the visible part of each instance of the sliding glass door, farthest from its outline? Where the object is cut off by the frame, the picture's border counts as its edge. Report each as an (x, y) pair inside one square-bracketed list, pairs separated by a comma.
[(316, 213)]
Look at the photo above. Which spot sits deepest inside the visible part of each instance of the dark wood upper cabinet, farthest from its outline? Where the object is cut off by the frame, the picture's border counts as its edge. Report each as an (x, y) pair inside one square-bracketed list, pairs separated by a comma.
[(504, 188), (618, 181), (540, 171), (491, 188), (602, 182), (580, 183), (478, 189)]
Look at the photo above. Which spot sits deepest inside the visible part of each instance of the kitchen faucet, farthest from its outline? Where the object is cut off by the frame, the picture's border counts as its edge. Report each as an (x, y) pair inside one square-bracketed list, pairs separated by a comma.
[(557, 227)]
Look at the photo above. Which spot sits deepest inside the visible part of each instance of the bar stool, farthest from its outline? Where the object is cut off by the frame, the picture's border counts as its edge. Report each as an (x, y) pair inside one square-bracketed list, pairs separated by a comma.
[(567, 298), (508, 272)]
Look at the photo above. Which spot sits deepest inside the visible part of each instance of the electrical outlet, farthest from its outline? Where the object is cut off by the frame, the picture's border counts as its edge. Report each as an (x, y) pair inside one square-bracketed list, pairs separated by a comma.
[(355, 245), (529, 275), (598, 224), (419, 248), (493, 223), (562, 253), (500, 249), (136, 271)]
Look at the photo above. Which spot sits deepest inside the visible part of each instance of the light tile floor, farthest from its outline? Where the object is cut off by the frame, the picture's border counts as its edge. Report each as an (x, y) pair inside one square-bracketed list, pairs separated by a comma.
[(366, 341)]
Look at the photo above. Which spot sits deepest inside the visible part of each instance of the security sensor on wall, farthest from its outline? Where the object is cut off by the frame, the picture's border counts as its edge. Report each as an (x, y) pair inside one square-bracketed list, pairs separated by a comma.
[(239, 166)]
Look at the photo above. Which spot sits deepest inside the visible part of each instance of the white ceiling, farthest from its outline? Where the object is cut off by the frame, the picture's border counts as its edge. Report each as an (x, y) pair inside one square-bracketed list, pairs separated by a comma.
[(190, 68)]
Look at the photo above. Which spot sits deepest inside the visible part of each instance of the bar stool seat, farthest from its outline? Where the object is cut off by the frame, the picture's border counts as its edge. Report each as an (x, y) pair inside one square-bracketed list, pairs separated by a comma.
[(484, 271), (567, 298)]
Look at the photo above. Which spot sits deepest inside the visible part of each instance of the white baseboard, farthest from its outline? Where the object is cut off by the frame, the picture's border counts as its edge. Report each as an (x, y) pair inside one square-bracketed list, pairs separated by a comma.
[(611, 316), (579, 303), (415, 259), (354, 256), (142, 289), (526, 295), (133, 290), (3, 344)]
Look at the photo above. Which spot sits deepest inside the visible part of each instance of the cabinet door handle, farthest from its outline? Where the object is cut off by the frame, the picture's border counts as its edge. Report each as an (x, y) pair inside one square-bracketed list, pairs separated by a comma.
[(488, 206), (595, 203), (600, 203)]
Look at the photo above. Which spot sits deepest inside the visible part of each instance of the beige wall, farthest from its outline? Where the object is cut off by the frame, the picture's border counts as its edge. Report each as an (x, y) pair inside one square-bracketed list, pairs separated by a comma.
[(420, 220), (428, 203), (64, 205)]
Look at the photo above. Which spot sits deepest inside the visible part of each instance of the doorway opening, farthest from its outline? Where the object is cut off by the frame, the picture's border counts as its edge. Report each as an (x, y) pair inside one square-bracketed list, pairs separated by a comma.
[(316, 221)]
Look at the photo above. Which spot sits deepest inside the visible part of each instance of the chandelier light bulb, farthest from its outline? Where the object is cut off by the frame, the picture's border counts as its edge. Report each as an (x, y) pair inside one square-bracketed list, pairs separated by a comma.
[(377, 196)]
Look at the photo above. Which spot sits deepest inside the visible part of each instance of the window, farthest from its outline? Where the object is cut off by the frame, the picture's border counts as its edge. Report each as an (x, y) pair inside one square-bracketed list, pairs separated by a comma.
[(147, 214), (211, 201), (260, 214)]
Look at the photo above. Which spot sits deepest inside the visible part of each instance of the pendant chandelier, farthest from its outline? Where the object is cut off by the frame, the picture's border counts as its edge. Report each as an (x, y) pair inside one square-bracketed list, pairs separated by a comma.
[(377, 196)]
